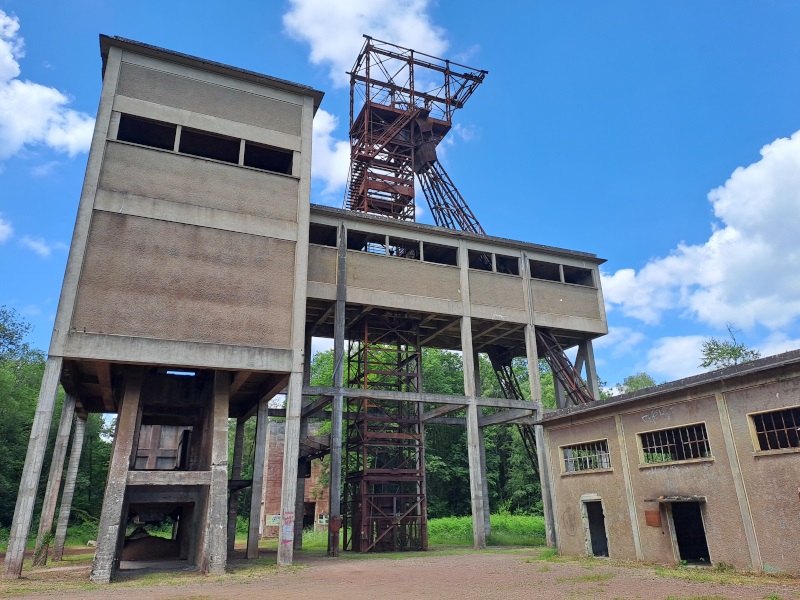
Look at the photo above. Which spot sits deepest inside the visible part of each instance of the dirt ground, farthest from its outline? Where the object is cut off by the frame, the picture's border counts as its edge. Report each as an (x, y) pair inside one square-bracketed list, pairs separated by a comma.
[(493, 574)]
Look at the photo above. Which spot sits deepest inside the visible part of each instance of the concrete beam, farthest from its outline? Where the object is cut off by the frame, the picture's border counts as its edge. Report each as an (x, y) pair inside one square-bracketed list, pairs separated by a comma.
[(440, 411), (506, 416), (415, 397), (161, 478)]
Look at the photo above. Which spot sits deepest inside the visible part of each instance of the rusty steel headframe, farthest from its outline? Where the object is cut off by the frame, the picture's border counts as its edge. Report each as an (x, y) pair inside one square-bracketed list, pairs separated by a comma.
[(406, 102)]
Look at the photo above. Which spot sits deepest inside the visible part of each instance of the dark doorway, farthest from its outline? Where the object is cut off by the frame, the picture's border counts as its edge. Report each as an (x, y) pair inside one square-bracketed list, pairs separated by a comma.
[(597, 528), (690, 533), (308, 514)]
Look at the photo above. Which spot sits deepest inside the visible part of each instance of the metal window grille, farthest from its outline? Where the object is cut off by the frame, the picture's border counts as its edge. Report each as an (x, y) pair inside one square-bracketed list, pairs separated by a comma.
[(778, 429), (680, 443), (587, 457)]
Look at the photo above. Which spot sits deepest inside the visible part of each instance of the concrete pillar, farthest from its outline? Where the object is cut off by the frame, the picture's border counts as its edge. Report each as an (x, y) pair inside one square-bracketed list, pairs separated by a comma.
[(482, 439), (37, 444), (300, 503), (592, 380), (215, 547), (69, 489), (562, 400), (477, 467), (257, 490), (291, 454), (236, 473), (112, 529), (337, 406), (54, 482)]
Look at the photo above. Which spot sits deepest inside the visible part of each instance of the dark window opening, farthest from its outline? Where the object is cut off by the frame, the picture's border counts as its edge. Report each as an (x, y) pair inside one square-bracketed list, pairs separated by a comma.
[(507, 264), (146, 132), (597, 528), (269, 159), (322, 235), (586, 457), (545, 270), (404, 248), (208, 145), (578, 276), (441, 255), (689, 532), (778, 429), (366, 242), (480, 260), (680, 443)]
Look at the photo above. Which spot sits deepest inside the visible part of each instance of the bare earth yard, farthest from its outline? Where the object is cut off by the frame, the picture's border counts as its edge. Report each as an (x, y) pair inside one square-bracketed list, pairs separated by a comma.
[(493, 574)]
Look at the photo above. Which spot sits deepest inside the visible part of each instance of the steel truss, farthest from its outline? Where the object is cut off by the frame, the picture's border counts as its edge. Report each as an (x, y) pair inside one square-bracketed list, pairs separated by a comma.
[(407, 100), (385, 507)]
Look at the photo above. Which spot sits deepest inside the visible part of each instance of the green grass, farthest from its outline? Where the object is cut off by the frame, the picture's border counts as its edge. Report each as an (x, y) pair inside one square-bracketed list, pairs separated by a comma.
[(507, 530)]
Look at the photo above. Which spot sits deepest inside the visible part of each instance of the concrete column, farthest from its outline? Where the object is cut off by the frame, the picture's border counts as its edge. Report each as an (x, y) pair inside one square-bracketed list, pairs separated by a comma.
[(236, 473), (300, 499), (257, 490), (337, 407), (291, 452), (215, 545), (69, 489), (562, 400), (476, 360), (54, 482), (112, 529), (477, 467), (28, 486), (592, 380)]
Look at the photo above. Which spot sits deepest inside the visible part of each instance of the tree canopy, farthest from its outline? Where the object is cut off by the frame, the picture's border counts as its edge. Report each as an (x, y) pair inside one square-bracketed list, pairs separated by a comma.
[(719, 353)]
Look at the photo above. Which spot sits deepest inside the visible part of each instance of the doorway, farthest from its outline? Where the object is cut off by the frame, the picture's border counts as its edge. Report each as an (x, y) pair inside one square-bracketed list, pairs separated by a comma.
[(595, 523), (690, 534)]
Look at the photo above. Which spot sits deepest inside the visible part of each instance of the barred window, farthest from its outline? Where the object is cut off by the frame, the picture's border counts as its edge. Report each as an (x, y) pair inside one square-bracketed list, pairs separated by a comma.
[(777, 429), (586, 457), (680, 443)]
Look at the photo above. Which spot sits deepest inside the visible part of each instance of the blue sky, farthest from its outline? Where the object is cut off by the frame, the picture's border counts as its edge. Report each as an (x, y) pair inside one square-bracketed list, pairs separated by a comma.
[(659, 135)]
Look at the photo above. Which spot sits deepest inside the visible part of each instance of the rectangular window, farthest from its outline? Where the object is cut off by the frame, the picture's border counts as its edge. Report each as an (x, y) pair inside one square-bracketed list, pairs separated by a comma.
[(403, 248), (146, 132), (366, 242), (480, 260), (545, 270), (589, 456), (441, 255), (578, 276), (209, 145), (671, 445), (323, 235), (269, 159), (777, 429), (507, 264)]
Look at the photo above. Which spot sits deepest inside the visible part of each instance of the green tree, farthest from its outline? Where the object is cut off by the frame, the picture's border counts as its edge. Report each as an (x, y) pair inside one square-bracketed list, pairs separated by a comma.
[(635, 382), (726, 353)]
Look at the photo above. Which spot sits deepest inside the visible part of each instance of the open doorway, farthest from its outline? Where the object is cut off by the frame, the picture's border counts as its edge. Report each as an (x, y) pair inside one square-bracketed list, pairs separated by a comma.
[(595, 526), (690, 535)]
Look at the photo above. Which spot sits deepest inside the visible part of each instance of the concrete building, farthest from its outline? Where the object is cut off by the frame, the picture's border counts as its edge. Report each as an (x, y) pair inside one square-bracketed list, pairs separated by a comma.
[(704, 470), (198, 274)]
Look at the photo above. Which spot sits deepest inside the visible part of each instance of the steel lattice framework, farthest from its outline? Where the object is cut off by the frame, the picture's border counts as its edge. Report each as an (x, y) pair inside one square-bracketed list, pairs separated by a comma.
[(407, 100)]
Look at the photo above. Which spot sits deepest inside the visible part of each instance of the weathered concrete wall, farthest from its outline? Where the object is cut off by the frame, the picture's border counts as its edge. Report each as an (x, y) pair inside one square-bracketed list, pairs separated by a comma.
[(771, 478), (609, 485), (150, 278), (322, 264), (495, 289), (402, 276), (565, 299)]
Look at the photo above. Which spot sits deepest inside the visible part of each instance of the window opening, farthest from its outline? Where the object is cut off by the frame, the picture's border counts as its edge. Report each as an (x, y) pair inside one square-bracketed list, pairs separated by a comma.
[(586, 457), (690, 533), (778, 429), (680, 443), (403, 248), (441, 255), (146, 132), (366, 242), (596, 524), (578, 276), (269, 159), (207, 145), (480, 260), (545, 270), (322, 235), (507, 264)]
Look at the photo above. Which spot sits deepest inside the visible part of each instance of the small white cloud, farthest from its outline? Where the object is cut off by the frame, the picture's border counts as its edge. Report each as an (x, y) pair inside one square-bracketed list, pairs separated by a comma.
[(675, 357), (31, 113), (44, 169), (6, 231), (330, 157), (777, 343), (333, 29), (41, 246), (320, 345)]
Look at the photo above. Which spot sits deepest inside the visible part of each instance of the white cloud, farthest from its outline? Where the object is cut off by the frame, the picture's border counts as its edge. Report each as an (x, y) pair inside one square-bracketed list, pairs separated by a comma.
[(41, 246), (330, 158), (6, 231), (619, 341), (334, 28), (748, 271), (776, 343), (44, 169), (675, 357), (31, 113)]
